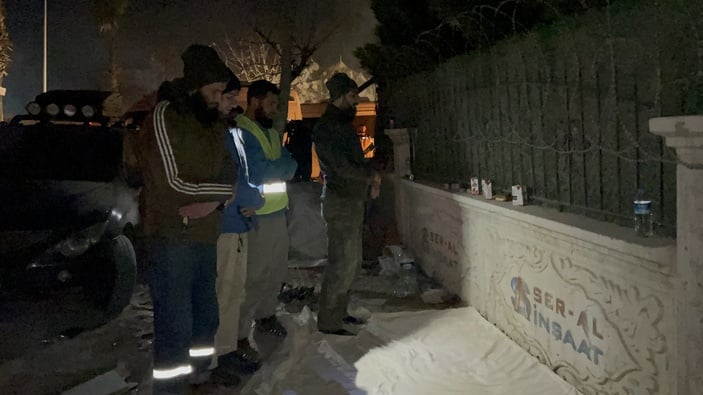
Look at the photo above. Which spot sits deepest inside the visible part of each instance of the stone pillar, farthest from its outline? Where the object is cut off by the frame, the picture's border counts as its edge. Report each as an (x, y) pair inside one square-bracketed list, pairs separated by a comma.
[(401, 151), (685, 135), (401, 166)]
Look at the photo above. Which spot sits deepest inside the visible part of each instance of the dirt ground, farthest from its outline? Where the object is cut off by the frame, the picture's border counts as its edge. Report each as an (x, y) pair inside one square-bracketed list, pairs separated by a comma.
[(51, 343)]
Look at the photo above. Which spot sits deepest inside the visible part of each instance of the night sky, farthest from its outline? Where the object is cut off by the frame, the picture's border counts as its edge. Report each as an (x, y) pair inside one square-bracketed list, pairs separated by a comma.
[(78, 55)]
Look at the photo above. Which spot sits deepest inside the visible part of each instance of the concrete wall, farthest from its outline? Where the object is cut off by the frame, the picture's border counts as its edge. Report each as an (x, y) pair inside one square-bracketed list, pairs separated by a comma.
[(587, 298)]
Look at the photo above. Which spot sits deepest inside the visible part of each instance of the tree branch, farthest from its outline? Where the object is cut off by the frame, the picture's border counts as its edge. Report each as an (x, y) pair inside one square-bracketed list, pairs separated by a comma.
[(268, 40)]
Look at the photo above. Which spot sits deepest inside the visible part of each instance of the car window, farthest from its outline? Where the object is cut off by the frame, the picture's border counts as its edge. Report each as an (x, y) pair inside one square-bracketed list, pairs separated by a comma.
[(60, 152)]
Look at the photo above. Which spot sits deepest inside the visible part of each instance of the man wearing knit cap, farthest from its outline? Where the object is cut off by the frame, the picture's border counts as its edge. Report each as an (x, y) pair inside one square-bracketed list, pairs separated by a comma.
[(349, 182), (187, 175), (232, 246)]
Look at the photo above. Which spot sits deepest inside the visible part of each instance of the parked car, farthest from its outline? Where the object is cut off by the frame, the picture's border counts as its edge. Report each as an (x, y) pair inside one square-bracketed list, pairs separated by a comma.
[(66, 211)]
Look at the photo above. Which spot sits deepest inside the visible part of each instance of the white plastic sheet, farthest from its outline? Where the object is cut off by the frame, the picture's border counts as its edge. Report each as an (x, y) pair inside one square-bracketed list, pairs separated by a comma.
[(452, 351)]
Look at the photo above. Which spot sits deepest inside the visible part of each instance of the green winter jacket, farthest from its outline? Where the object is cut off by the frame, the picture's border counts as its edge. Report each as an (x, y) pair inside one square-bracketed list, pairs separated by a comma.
[(182, 162)]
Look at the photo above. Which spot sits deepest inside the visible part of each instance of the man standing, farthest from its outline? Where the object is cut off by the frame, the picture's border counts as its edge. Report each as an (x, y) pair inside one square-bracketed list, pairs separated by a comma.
[(184, 168), (232, 246), (271, 166), (349, 180)]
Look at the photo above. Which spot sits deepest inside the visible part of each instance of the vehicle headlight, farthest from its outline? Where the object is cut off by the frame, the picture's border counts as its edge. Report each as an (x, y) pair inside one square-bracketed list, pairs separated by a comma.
[(33, 108), (116, 214), (79, 242), (87, 111), (69, 110), (52, 109)]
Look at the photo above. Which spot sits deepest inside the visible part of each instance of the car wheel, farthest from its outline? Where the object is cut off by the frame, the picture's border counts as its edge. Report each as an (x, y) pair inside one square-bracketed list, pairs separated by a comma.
[(111, 275), (136, 235)]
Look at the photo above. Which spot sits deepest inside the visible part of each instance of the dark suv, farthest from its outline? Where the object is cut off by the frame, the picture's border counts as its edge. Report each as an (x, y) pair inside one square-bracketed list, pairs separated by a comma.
[(65, 209)]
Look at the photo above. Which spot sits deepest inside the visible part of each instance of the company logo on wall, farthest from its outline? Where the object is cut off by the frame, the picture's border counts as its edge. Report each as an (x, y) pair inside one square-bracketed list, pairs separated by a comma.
[(548, 312)]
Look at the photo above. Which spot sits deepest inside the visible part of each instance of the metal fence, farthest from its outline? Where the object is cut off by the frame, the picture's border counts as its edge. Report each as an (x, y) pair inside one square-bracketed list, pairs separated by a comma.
[(564, 111)]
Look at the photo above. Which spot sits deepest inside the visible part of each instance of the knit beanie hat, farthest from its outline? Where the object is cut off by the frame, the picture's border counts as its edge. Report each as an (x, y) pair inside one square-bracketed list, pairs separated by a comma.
[(339, 84), (233, 84), (202, 66)]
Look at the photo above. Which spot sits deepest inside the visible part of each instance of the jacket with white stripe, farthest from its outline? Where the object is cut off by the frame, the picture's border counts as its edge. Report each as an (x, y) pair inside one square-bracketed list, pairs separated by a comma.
[(247, 194), (184, 162)]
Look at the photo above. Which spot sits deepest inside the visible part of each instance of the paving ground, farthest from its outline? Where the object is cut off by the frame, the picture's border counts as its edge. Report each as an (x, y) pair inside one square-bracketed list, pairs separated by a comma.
[(50, 343)]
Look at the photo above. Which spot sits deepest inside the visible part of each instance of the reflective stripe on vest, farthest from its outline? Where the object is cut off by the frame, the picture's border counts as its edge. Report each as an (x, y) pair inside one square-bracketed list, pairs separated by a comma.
[(276, 187), (271, 146), (165, 374), (202, 352)]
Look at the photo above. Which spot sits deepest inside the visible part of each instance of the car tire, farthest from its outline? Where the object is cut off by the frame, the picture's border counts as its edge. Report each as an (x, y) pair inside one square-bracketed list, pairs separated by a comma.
[(111, 277), (135, 234)]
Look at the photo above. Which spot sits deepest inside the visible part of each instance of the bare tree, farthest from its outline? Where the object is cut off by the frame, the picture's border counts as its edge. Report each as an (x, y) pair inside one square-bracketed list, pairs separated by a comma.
[(5, 51), (251, 58), (294, 31), (108, 13)]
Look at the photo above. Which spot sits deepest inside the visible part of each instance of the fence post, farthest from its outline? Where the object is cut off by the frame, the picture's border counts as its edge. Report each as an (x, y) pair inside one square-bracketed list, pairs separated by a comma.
[(401, 168), (685, 135)]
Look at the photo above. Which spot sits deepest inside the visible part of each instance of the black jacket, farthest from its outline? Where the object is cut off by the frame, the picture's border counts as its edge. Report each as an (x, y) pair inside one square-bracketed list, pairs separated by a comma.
[(341, 158)]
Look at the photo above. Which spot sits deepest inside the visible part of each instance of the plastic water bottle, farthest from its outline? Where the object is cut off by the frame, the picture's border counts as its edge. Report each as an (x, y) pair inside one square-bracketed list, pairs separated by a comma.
[(643, 214), (407, 283)]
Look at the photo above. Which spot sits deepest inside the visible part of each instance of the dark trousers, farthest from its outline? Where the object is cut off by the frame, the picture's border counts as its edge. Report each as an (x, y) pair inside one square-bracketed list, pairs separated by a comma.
[(182, 284), (345, 221)]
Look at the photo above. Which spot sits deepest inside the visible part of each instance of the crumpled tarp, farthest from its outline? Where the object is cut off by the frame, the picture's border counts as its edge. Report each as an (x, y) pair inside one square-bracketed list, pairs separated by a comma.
[(307, 229), (454, 351)]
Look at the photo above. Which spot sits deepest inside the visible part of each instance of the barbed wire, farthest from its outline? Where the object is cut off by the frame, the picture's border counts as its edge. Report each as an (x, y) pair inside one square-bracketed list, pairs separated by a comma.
[(497, 126)]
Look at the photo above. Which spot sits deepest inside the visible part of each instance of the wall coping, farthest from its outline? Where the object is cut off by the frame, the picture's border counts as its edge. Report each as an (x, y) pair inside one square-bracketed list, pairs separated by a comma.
[(661, 251)]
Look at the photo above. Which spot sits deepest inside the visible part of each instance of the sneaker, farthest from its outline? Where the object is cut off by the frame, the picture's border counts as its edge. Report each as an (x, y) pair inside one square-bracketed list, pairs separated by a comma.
[(271, 325), (239, 362), (338, 332)]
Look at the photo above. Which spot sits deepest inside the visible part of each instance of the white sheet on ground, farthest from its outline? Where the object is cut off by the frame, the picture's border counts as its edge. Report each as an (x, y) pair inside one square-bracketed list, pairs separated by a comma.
[(306, 226), (452, 351)]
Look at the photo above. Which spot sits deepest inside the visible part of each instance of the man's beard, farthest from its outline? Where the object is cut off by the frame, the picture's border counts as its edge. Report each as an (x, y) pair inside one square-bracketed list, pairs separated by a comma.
[(262, 119), (203, 113), (231, 118), (348, 113)]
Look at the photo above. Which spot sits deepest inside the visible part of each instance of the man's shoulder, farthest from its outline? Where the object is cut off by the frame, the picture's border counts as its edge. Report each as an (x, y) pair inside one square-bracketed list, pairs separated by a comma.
[(244, 123), (167, 116), (330, 127), (164, 110), (324, 123)]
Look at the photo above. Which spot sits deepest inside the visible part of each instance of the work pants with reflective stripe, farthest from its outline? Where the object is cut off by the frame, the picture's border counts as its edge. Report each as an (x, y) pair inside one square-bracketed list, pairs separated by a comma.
[(267, 268), (231, 277), (345, 222), (182, 283)]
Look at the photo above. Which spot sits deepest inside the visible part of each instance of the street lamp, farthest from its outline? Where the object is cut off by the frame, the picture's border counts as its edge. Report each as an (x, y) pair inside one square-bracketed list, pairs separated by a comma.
[(45, 45)]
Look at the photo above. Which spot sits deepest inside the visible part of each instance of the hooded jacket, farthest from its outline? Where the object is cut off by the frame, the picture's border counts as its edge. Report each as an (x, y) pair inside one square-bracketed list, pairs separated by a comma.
[(182, 162)]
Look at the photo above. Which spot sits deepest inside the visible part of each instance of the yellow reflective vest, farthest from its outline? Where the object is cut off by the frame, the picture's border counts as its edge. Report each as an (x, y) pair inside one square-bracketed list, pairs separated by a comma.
[(275, 195)]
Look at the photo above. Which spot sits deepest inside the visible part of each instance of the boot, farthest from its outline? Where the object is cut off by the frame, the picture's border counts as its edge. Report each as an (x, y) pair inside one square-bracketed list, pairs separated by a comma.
[(245, 360), (271, 325)]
